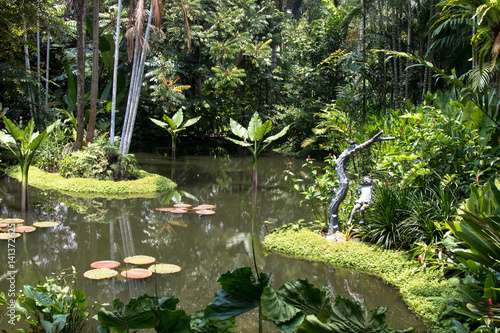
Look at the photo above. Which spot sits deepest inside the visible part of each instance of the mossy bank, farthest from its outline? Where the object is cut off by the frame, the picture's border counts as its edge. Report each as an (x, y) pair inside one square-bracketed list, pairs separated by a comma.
[(395, 267), (147, 185)]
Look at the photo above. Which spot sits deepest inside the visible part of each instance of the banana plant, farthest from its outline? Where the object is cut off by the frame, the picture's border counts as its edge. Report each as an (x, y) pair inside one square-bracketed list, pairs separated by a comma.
[(23, 144), (253, 138), (174, 125)]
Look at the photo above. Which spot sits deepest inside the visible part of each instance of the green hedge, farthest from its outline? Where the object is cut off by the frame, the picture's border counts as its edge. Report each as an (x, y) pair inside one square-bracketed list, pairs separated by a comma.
[(148, 185), (394, 267)]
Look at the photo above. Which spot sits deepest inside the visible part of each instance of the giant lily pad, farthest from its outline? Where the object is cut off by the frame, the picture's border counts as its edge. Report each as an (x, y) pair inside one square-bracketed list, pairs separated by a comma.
[(25, 229), (139, 260), (8, 235), (105, 264), (164, 268), (207, 206), (48, 224), (100, 274), (3, 225), (12, 221), (181, 205), (179, 211), (205, 212), (165, 209), (136, 273)]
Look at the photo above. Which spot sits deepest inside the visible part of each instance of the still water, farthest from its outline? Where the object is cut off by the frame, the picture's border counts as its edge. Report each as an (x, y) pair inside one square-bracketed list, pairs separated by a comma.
[(203, 246)]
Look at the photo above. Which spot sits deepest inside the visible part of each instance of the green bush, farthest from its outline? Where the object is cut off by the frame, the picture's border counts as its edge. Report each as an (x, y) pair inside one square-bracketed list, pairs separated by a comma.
[(99, 160)]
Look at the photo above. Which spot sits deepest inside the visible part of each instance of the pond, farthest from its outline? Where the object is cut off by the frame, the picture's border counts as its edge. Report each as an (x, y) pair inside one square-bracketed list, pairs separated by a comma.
[(203, 246)]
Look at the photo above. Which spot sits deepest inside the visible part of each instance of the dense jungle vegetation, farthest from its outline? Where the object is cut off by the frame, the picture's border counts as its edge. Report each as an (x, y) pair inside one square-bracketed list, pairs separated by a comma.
[(99, 79)]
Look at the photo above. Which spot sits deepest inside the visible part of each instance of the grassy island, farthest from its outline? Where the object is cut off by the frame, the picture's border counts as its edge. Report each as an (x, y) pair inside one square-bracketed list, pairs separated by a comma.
[(419, 289), (148, 185)]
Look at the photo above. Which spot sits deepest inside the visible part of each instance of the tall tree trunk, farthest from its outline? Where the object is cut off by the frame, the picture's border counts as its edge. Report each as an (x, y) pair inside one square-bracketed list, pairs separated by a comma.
[(94, 88), (81, 7), (38, 76), (409, 50), (428, 75), (115, 73), (135, 88), (47, 67), (395, 80), (28, 72), (401, 77), (383, 28)]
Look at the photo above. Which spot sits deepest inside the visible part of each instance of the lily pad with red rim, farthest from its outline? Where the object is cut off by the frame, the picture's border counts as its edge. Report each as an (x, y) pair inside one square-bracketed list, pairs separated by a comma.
[(165, 209), (47, 224), (139, 260), (105, 264), (207, 206), (12, 221), (24, 228), (100, 274), (179, 211), (164, 268), (136, 273), (181, 205), (8, 235), (3, 225), (205, 212)]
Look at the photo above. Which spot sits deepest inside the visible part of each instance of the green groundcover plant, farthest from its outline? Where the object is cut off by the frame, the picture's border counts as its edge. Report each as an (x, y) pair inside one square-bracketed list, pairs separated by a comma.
[(423, 291)]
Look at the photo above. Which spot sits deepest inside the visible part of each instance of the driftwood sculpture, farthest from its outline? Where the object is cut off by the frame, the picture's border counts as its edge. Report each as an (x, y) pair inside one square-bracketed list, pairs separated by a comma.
[(341, 193)]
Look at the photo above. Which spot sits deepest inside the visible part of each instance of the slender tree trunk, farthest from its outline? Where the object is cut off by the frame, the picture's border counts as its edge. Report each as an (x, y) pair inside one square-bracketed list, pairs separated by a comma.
[(28, 71), (383, 28), (94, 88), (395, 80), (80, 80), (409, 50), (428, 77), (401, 77), (136, 86), (38, 60), (47, 67), (115, 73)]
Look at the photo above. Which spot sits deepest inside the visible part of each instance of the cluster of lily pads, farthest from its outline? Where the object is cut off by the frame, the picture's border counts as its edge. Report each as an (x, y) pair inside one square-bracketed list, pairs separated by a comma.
[(106, 269), (185, 208), (13, 227)]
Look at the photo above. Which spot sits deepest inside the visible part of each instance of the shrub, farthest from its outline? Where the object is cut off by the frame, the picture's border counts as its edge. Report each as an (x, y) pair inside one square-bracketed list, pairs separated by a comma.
[(99, 160)]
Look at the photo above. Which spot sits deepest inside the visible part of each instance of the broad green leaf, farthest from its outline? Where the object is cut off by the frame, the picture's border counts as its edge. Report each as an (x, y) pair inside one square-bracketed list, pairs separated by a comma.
[(191, 121), (178, 118), (490, 288), (55, 326), (37, 140), (304, 296), (41, 298), (242, 283), (167, 321), (29, 134), (255, 124), (241, 143), (226, 306), (16, 132), (159, 123), (222, 326), (263, 130), (276, 310), (238, 130), (278, 135), (170, 121), (6, 138), (136, 314)]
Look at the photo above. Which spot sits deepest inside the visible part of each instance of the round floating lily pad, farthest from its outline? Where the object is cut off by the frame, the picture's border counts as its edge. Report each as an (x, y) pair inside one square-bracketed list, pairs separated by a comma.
[(139, 260), (164, 268), (205, 212), (207, 206), (105, 264), (179, 211), (7, 235), (47, 224), (136, 273), (12, 221), (182, 205), (165, 209), (100, 274), (25, 229), (3, 225)]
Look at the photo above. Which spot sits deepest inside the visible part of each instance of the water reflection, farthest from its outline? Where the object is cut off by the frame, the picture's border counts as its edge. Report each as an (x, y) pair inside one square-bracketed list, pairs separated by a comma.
[(204, 246)]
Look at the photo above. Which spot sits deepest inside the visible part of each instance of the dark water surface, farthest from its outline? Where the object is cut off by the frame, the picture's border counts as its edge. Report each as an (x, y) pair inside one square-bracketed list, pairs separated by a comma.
[(204, 246)]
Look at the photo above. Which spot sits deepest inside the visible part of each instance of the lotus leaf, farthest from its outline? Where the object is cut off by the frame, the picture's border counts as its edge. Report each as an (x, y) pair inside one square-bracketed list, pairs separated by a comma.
[(179, 211), (165, 209), (205, 212), (182, 205), (12, 221)]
